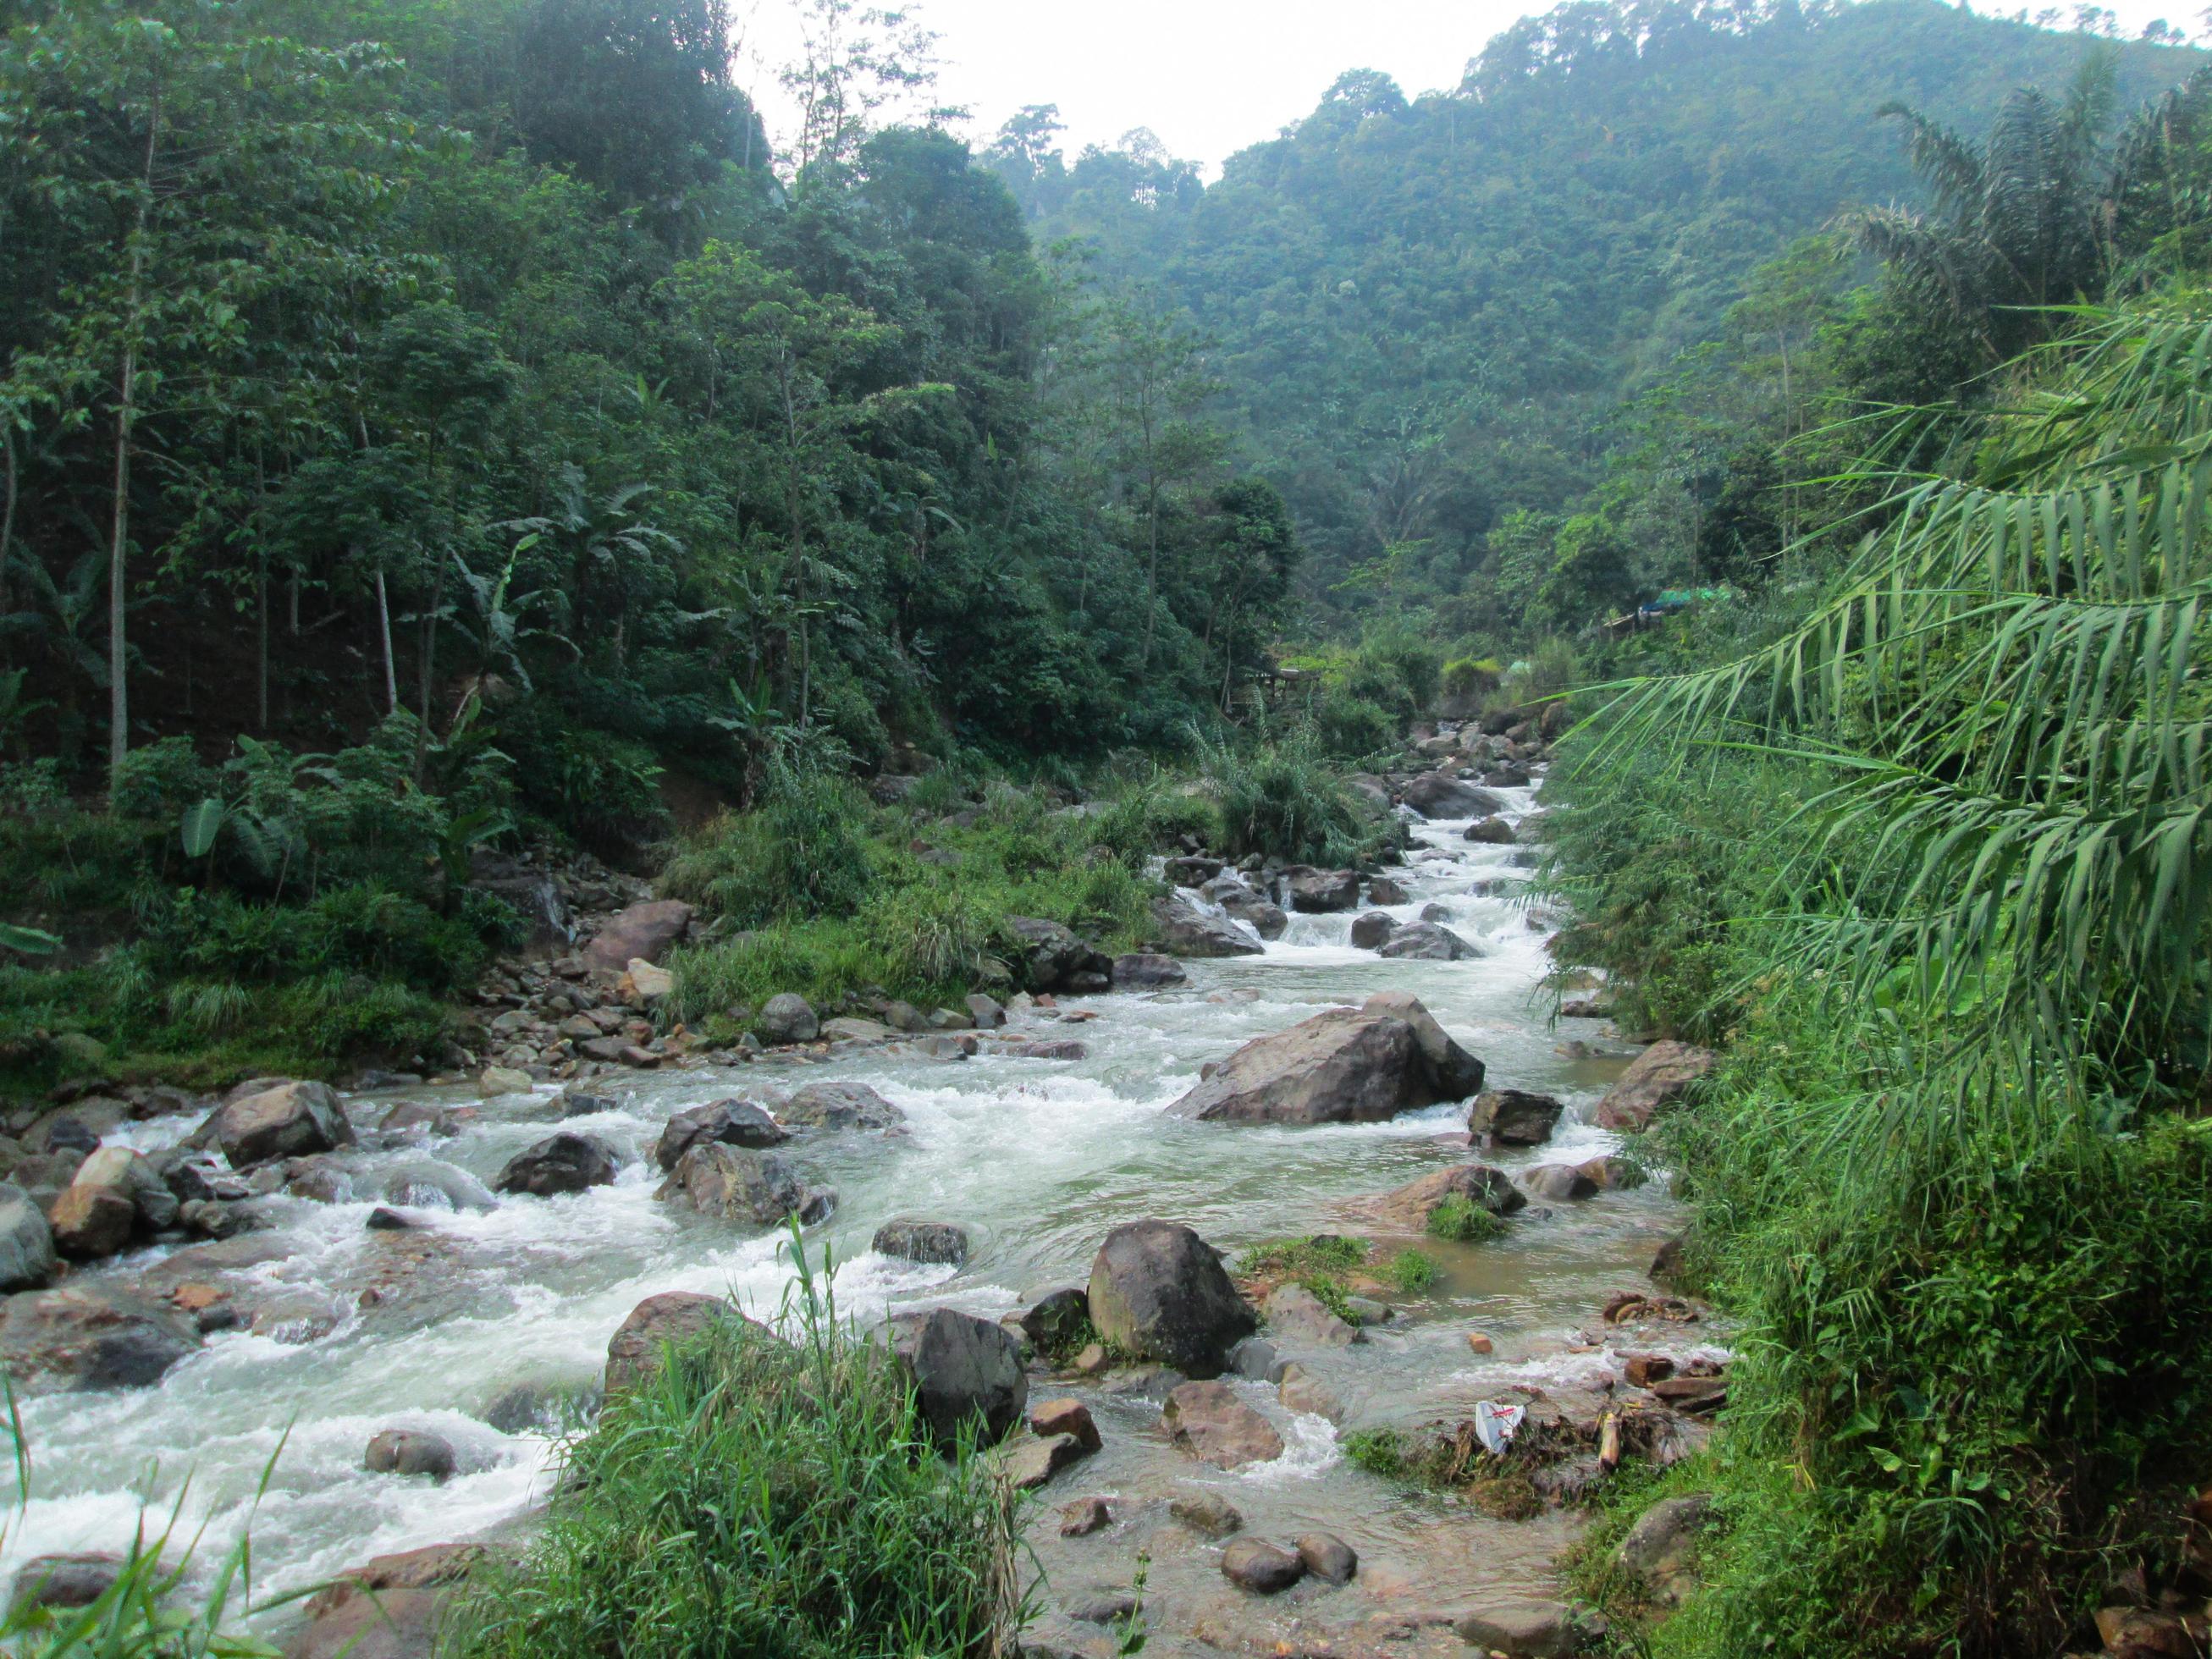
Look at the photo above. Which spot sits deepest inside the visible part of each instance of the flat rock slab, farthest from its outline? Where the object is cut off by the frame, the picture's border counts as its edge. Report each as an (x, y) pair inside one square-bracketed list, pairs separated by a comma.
[(1209, 1422), (1655, 1078)]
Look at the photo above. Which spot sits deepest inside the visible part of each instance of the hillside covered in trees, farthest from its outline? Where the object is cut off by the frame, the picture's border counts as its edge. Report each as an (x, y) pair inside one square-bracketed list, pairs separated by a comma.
[(1425, 315)]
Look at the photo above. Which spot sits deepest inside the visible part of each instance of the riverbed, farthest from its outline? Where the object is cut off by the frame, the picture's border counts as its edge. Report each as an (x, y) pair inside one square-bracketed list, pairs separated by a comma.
[(497, 1309)]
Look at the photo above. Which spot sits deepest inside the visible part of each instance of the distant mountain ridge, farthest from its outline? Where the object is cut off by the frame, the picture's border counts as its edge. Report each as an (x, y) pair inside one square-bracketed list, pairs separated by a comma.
[(1425, 309)]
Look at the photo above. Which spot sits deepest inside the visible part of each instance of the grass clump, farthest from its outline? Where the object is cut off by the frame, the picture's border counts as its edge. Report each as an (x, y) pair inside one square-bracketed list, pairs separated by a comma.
[(1284, 797), (1319, 1263), (766, 1497), (1378, 1451), (1460, 1220), (1411, 1271)]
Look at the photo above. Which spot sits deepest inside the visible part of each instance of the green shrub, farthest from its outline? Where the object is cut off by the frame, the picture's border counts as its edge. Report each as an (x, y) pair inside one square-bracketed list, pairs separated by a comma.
[(1411, 1271), (1378, 1451), (1462, 1221), (1283, 799), (1290, 1257), (1353, 728), (759, 1497)]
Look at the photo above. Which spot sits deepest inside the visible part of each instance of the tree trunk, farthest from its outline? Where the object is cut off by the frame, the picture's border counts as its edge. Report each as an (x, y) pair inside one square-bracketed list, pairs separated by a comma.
[(383, 631), (7, 535), (119, 684), (261, 642)]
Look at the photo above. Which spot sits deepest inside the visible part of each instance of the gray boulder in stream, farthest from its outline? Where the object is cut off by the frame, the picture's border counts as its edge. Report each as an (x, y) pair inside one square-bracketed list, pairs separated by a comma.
[(1427, 942), (1056, 959), (1513, 1117), (1233, 894), (26, 1243), (1321, 891), (90, 1336), (724, 1122), (1347, 1065), (735, 1183), (565, 1162), (1159, 1292), (286, 1120), (965, 1370), (841, 1106), (1440, 795), (1188, 931)]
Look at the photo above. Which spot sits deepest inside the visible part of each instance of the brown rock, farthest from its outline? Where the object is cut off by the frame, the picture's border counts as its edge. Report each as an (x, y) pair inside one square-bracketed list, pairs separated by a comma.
[(1643, 1370), (1479, 1183), (1207, 1512), (390, 1607), (89, 1222), (644, 932), (2140, 1633), (1260, 1568), (1064, 1416), (1083, 1517), (1209, 1422), (1655, 1078), (1345, 1066), (671, 1319)]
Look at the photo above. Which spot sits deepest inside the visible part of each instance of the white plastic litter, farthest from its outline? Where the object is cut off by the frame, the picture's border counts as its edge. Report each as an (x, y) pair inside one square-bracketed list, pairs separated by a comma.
[(1496, 1424)]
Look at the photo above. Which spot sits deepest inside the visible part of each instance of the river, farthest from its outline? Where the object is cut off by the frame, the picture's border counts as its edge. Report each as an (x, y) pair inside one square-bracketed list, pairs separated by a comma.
[(1038, 1158)]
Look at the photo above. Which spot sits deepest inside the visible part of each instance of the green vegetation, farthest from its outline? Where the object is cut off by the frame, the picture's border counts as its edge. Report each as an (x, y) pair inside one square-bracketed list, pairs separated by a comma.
[(1460, 1219), (1318, 1263), (757, 1496), (1931, 857), (1411, 1271)]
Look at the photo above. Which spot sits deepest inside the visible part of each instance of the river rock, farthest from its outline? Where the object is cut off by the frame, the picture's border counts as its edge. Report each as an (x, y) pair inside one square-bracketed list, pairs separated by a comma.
[(1424, 941), (26, 1243), (45, 1177), (1028, 1462), (497, 1081), (934, 1241), (1193, 869), (850, 1028), (1493, 831), (409, 1451), (986, 1010), (1383, 890), (1440, 795), (389, 1608), (1373, 929), (74, 1580), (90, 1336), (1321, 892), (644, 932), (1147, 971), (1064, 1416), (90, 1222), (1344, 1065), (1159, 1292), (659, 1323), (409, 1115), (965, 1370), (1083, 1517), (1207, 1512), (841, 1106), (1558, 1183), (1056, 959), (1296, 1316), (1260, 1568), (1490, 1189), (563, 1163), (1513, 1117), (1654, 1079), (723, 1122), (1267, 919), (1660, 1549), (1612, 1174), (1188, 931), (137, 1179), (787, 1017), (735, 1183), (1525, 1630), (289, 1120), (1207, 1420), (1328, 1556), (1057, 1322), (1301, 1391)]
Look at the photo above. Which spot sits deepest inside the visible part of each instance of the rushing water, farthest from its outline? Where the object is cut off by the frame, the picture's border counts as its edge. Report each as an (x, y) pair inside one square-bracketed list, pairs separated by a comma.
[(1038, 1158)]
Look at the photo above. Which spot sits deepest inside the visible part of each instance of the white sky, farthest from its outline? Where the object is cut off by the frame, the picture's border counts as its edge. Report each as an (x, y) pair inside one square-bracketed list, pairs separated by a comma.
[(1208, 77)]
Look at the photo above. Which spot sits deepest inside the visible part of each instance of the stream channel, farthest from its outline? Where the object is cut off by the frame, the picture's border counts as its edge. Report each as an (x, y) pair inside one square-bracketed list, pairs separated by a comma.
[(1037, 1158)]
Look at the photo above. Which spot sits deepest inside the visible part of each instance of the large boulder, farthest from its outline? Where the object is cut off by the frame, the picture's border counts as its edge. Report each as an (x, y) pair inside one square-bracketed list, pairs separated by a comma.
[(1145, 970), (1659, 1550), (966, 1372), (1345, 1065), (563, 1163), (90, 1336), (1373, 930), (1159, 1292), (1424, 941), (942, 1243), (721, 1122), (1657, 1077), (1261, 1568), (1236, 897), (1188, 931), (1321, 892), (287, 1120), (1559, 1182), (1493, 831), (1440, 795), (409, 1451), (27, 1241), (90, 1222), (1298, 1318), (841, 1106), (659, 1323), (390, 1607), (787, 1017), (138, 1179), (1209, 1422), (1480, 1185), (1513, 1117), (735, 1183), (642, 932), (1056, 959)]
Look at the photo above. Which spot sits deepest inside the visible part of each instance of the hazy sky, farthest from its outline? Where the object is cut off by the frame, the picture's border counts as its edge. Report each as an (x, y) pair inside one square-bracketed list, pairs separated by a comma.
[(1209, 76)]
